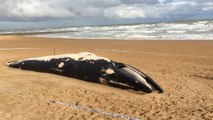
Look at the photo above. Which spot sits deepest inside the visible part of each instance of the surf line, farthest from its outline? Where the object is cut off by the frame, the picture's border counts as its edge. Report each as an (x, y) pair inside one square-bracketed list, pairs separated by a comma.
[(94, 111), (6, 49)]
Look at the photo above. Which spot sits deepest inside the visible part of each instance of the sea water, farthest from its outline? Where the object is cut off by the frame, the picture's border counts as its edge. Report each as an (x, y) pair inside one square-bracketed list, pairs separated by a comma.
[(185, 30)]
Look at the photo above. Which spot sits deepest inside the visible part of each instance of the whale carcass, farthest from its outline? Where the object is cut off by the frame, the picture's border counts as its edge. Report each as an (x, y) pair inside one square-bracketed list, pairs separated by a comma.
[(90, 67)]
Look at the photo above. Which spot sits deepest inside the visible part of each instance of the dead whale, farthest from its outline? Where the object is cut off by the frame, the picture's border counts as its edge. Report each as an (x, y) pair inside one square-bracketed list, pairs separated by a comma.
[(88, 66)]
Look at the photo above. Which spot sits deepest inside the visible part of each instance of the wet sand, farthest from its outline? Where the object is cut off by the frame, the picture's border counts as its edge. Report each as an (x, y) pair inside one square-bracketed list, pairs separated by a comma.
[(183, 68)]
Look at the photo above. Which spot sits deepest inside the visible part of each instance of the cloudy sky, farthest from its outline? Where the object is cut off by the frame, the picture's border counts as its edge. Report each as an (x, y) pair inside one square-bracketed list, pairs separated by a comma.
[(55, 13)]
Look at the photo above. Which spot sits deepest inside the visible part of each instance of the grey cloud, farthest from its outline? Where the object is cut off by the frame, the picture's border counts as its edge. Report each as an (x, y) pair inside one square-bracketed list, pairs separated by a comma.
[(167, 9), (30, 9), (38, 9), (33, 10), (129, 2)]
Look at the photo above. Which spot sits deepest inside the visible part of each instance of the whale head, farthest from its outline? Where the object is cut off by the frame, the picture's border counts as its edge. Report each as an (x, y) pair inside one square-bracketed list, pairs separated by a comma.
[(134, 77)]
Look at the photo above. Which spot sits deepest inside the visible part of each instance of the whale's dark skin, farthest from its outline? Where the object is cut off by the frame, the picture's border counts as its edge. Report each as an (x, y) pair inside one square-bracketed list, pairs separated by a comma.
[(88, 66)]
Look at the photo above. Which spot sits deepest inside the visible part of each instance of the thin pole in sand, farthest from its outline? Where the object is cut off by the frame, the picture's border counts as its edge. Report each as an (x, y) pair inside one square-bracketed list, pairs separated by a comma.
[(54, 51)]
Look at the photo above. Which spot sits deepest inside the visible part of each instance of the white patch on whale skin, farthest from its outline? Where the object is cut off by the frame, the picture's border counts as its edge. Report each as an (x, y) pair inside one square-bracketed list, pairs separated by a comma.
[(103, 81), (110, 71), (67, 59), (78, 57), (60, 65)]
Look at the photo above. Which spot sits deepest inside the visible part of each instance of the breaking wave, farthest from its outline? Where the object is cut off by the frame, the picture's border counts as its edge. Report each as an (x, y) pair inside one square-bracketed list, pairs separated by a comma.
[(188, 30)]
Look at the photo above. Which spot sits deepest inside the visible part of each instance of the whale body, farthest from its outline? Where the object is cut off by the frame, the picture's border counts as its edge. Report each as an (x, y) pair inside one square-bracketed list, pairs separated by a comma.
[(90, 67)]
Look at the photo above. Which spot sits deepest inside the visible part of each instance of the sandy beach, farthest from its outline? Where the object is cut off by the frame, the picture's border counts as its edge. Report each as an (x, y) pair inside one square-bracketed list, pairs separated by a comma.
[(183, 68)]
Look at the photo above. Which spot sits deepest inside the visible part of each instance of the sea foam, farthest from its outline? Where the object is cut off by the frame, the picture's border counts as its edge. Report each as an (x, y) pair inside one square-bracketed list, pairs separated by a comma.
[(188, 30)]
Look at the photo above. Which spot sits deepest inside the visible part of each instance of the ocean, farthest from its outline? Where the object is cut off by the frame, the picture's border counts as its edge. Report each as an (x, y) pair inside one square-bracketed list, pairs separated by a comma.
[(185, 30)]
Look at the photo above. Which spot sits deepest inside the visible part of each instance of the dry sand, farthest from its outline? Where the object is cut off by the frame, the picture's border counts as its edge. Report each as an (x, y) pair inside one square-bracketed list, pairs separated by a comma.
[(183, 68)]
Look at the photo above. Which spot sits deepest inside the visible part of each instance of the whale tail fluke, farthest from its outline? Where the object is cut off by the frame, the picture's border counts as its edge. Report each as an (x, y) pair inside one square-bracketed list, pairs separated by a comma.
[(14, 64)]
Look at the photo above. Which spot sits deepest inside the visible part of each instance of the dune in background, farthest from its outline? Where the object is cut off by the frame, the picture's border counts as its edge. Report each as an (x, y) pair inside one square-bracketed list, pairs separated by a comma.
[(183, 68)]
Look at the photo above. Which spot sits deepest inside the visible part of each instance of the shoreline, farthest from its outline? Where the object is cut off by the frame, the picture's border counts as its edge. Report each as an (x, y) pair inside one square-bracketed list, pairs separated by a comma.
[(34, 35)]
